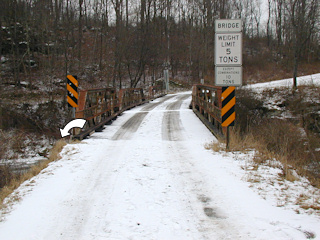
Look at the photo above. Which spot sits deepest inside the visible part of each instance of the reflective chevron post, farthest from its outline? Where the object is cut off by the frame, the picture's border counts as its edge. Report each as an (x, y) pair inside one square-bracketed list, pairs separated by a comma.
[(228, 100), (228, 113), (72, 88), (72, 95)]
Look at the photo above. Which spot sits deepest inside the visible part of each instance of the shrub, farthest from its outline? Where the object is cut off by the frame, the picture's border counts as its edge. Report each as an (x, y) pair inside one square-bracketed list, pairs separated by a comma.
[(249, 110), (6, 175), (281, 139)]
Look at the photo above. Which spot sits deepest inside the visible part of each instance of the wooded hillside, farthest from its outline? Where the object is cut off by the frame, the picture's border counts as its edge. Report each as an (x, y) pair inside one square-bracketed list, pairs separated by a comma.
[(124, 43)]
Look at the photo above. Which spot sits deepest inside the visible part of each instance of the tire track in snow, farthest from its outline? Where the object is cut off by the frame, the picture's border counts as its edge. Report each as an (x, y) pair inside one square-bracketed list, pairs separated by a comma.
[(171, 123), (154, 104), (131, 126)]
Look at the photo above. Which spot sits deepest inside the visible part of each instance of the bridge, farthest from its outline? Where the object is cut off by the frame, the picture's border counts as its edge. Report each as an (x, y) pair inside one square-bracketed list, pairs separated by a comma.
[(146, 175), (101, 106)]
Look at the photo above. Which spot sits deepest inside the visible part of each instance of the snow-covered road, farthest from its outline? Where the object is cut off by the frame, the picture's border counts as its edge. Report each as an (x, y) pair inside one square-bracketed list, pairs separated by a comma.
[(147, 176)]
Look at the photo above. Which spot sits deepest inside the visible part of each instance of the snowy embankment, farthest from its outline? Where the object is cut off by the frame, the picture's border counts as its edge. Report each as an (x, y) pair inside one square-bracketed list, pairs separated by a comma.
[(309, 80), (149, 176), (266, 180)]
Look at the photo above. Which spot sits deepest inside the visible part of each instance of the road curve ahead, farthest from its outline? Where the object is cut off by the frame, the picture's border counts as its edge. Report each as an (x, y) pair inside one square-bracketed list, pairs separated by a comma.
[(146, 176)]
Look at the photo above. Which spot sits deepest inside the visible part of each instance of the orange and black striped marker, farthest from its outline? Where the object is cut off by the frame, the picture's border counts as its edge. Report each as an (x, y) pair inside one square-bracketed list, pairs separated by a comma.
[(72, 87), (228, 99)]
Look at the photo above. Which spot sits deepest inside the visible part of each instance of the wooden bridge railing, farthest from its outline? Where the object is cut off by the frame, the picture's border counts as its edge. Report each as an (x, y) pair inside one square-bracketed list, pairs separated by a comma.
[(206, 103), (100, 106)]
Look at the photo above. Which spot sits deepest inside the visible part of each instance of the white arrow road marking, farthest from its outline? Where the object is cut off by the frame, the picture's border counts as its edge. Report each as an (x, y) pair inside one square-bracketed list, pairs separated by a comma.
[(74, 123)]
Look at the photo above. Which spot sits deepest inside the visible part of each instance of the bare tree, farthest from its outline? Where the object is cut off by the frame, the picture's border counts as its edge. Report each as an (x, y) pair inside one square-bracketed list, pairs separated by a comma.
[(269, 28), (303, 15), (80, 30), (118, 51), (136, 62)]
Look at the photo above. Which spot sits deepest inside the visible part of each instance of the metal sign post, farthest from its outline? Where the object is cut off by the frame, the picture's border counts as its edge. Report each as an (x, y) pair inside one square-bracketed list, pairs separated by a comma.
[(227, 138), (228, 67)]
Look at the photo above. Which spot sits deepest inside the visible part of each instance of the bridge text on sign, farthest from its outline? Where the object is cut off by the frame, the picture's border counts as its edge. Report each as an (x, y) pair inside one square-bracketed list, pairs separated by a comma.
[(228, 25), (228, 49)]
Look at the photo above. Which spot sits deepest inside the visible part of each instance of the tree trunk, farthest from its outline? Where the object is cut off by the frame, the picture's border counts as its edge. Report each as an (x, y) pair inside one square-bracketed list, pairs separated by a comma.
[(268, 23), (80, 35), (0, 58), (295, 69)]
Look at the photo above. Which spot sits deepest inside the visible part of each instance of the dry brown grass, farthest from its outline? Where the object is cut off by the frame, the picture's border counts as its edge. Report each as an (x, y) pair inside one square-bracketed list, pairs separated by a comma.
[(306, 207), (16, 180), (287, 141), (239, 142), (215, 146), (276, 140)]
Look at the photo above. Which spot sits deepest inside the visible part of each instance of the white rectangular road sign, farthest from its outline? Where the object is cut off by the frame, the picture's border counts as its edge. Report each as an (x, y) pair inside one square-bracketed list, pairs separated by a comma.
[(228, 76), (228, 49), (228, 25)]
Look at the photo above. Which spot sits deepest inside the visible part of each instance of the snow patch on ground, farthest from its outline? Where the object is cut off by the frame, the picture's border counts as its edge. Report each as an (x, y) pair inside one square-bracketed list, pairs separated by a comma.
[(268, 181), (274, 93), (309, 80)]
